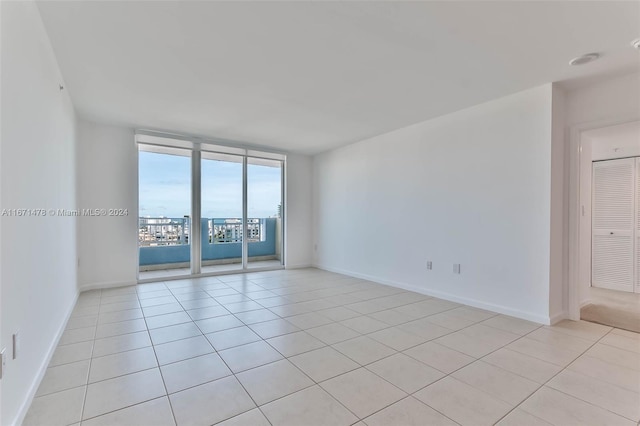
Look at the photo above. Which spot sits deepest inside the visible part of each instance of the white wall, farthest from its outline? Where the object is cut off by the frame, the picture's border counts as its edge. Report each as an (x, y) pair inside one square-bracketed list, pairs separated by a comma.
[(38, 254), (107, 179), (613, 142), (472, 187), (558, 257), (606, 103), (611, 100), (298, 215), (585, 225)]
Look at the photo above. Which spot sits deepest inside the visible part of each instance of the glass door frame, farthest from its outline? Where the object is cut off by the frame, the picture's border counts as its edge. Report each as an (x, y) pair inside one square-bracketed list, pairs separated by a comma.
[(245, 215), (197, 146), (248, 162), (196, 213)]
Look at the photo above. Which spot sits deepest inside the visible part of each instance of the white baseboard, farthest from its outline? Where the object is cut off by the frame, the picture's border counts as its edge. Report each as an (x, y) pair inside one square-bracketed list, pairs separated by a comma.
[(529, 316), (100, 286), (556, 318), (22, 412), (299, 266)]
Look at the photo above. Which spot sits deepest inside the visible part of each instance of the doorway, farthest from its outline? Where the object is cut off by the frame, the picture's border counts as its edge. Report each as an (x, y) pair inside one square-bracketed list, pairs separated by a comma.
[(164, 203), (609, 228)]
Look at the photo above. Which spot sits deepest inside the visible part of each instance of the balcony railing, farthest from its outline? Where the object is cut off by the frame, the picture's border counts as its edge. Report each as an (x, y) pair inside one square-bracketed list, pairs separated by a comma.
[(163, 231), (165, 241), (230, 230)]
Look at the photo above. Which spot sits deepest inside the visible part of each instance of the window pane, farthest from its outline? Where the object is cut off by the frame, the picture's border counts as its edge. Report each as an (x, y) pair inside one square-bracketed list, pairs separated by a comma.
[(264, 207), (164, 188), (221, 210)]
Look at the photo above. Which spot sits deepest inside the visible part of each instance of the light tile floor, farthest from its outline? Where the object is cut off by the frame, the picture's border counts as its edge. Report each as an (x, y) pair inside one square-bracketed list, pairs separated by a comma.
[(309, 347)]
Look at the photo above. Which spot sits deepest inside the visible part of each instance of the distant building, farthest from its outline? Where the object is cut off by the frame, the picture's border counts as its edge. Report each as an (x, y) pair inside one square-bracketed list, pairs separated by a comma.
[(163, 231)]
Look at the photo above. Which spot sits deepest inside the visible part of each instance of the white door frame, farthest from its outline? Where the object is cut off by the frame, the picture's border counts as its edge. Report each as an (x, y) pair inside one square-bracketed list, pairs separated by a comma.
[(575, 216)]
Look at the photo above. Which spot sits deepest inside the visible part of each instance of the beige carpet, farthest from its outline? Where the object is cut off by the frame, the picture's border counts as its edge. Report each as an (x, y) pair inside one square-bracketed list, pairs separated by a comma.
[(613, 308)]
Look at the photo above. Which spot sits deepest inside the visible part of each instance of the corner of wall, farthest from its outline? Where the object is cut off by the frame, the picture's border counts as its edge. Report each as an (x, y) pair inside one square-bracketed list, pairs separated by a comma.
[(43, 120), (107, 179), (529, 316), (104, 285), (33, 388), (298, 213), (559, 208), (556, 318)]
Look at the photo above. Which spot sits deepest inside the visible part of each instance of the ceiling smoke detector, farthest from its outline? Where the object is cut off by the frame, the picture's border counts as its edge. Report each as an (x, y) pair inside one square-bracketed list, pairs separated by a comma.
[(636, 43), (584, 59)]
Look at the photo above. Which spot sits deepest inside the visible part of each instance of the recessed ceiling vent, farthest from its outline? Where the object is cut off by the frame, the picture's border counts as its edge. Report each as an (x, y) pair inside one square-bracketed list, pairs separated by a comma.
[(584, 59)]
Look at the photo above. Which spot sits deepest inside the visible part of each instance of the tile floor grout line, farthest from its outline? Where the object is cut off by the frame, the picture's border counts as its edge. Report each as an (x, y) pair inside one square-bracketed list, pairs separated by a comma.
[(466, 365), (402, 352), (549, 362), (361, 334), (325, 345), (123, 375), (175, 421), (586, 402), (287, 358), (419, 344), (552, 377), (409, 395), (617, 347), (337, 322), (528, 396), (121, 408), (292, 393), (582, 354), (86, 389), (388, 326), (257, 301), (233, 373), (309, 289)]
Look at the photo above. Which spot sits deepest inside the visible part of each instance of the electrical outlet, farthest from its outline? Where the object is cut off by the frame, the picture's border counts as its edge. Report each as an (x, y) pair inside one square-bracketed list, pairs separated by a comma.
[(16, 345), (456, 268), (429, 265), (3, 362)]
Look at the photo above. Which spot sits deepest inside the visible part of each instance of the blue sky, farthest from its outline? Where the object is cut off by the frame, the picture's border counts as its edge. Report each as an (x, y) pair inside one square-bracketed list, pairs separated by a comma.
[(165, 187)]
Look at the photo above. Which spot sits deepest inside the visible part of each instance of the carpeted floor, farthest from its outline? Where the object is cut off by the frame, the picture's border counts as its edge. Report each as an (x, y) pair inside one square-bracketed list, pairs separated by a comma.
[(613, 308)]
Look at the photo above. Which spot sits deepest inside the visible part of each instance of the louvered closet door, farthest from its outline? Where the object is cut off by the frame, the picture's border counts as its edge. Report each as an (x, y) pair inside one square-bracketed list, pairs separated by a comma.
[(613, 214)]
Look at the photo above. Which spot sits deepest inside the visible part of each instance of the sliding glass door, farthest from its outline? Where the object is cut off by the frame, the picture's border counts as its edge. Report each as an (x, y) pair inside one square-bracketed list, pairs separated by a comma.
[(264, 208), (221, 212), (206, 209), (164, 220)]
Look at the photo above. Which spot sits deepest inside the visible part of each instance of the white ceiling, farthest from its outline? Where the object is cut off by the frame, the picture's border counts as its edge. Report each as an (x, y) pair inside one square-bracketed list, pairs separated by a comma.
[(309, 76)]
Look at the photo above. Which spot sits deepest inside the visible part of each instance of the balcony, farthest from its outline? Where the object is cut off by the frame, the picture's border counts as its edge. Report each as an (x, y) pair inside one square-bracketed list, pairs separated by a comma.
[(164, 243)]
